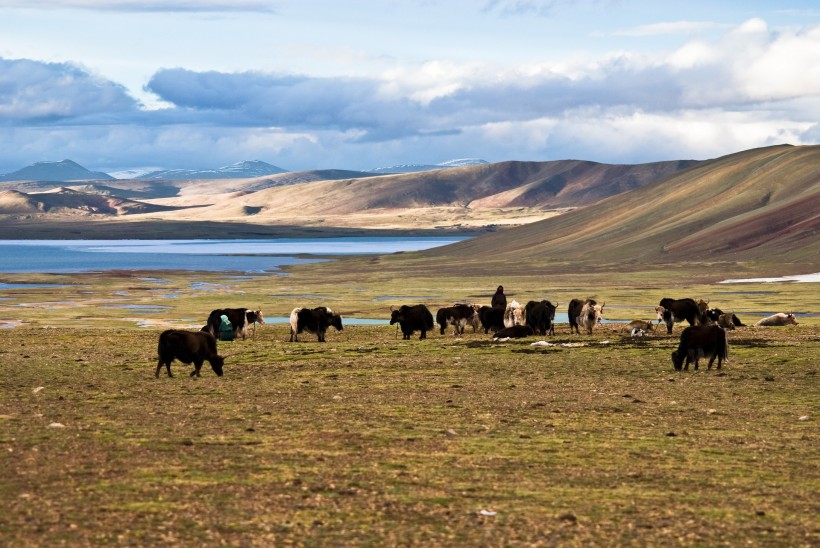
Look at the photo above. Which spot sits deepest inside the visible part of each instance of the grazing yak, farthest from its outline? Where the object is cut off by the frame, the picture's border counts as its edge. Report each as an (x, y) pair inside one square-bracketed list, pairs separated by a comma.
[(240, 318), (584, 313), (513, 314), (540, 316), (491, 318), (678, 310), (314, 320), (714, 314), (514, 332), (458, 315), (189, 347), (778, 319), (412, 318), (726, 321), (701, 341)]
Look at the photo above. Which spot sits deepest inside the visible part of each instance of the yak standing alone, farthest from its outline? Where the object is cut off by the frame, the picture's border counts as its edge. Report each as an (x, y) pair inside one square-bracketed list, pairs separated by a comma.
[(701, 341), (188, 347)]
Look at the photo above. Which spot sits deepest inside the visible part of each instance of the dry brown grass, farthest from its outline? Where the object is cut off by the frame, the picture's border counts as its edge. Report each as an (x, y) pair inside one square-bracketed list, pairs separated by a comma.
[(371, 440)]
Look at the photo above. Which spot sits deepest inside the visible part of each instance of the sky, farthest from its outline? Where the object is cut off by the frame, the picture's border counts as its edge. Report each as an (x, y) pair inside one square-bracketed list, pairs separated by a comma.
[(361, 84)]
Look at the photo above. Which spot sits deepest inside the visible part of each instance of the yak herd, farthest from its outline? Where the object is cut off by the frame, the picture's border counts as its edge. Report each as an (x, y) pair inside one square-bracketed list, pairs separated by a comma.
[(705, 336)]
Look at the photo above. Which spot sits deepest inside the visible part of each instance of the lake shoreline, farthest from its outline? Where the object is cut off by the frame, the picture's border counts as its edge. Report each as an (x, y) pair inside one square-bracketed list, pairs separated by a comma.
[(219, 255), (40, 229)]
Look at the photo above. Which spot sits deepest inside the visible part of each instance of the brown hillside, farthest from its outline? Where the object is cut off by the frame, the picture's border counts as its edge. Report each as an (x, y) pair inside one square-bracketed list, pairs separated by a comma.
[(71, 202), (12, 201), (762, 204), (518, 192)]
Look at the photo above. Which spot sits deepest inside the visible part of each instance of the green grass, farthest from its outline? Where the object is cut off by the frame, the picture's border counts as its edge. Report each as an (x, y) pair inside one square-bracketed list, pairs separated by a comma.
[(368, 439)]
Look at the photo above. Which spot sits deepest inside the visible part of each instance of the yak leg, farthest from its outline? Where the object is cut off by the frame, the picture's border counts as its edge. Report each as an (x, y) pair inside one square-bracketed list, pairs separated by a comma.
[(712, 359), (197, 367), (159, 368)]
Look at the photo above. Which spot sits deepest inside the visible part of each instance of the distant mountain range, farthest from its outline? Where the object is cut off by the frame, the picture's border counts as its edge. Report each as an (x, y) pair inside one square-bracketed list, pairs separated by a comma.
[(68, 170), (239, 170), (55, 171), (414, 168)]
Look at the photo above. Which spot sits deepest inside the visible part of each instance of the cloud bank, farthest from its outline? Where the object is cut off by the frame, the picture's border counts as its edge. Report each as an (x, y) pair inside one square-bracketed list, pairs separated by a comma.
[(752, 87)]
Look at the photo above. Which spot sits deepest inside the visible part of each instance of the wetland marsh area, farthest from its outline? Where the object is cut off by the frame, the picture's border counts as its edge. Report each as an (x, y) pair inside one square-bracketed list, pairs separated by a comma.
[(370, 439)]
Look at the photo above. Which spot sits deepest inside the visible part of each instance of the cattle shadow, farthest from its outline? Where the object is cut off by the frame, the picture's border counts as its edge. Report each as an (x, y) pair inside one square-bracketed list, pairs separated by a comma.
[(481, 344), (538, 350), (753, 343)]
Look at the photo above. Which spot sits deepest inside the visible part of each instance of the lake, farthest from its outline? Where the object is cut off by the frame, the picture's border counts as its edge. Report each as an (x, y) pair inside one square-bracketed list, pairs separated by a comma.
[(265, 255)]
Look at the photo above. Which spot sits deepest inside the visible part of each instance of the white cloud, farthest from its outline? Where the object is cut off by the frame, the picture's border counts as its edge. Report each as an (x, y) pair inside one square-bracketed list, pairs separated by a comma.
[(39, 92), (788, 66), (145, 5), (672, 27), (750, 87)]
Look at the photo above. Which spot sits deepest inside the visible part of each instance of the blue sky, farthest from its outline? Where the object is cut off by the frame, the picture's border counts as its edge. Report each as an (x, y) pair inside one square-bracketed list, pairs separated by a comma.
[(130, 84)]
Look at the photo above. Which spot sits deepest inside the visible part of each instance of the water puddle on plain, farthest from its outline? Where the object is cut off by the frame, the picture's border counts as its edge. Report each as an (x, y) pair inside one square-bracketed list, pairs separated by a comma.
[(145, 308)]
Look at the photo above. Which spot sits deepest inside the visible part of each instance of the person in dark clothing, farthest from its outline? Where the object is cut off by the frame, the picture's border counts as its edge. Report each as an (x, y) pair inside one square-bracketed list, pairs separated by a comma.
[(499, 299)]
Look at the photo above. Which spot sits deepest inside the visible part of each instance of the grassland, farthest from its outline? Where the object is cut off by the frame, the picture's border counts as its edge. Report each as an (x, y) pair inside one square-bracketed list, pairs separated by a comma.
[(368, 439)]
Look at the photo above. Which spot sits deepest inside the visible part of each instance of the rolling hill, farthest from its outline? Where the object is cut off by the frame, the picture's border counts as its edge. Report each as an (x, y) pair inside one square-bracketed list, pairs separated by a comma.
[(506, 192), (458, 197), (168, 188), (66, 201), (757, 205)]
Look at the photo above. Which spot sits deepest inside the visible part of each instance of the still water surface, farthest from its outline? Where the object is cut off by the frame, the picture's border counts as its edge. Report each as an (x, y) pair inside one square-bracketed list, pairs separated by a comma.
[(21, 256)]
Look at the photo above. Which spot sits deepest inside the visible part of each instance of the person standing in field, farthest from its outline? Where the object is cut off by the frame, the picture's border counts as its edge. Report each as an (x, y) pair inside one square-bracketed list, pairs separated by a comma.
[(499, 299)]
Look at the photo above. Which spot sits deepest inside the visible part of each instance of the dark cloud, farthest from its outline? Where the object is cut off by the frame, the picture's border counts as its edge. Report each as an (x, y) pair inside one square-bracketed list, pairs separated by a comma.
[(36, 92), (299, 102), (344, 104)]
